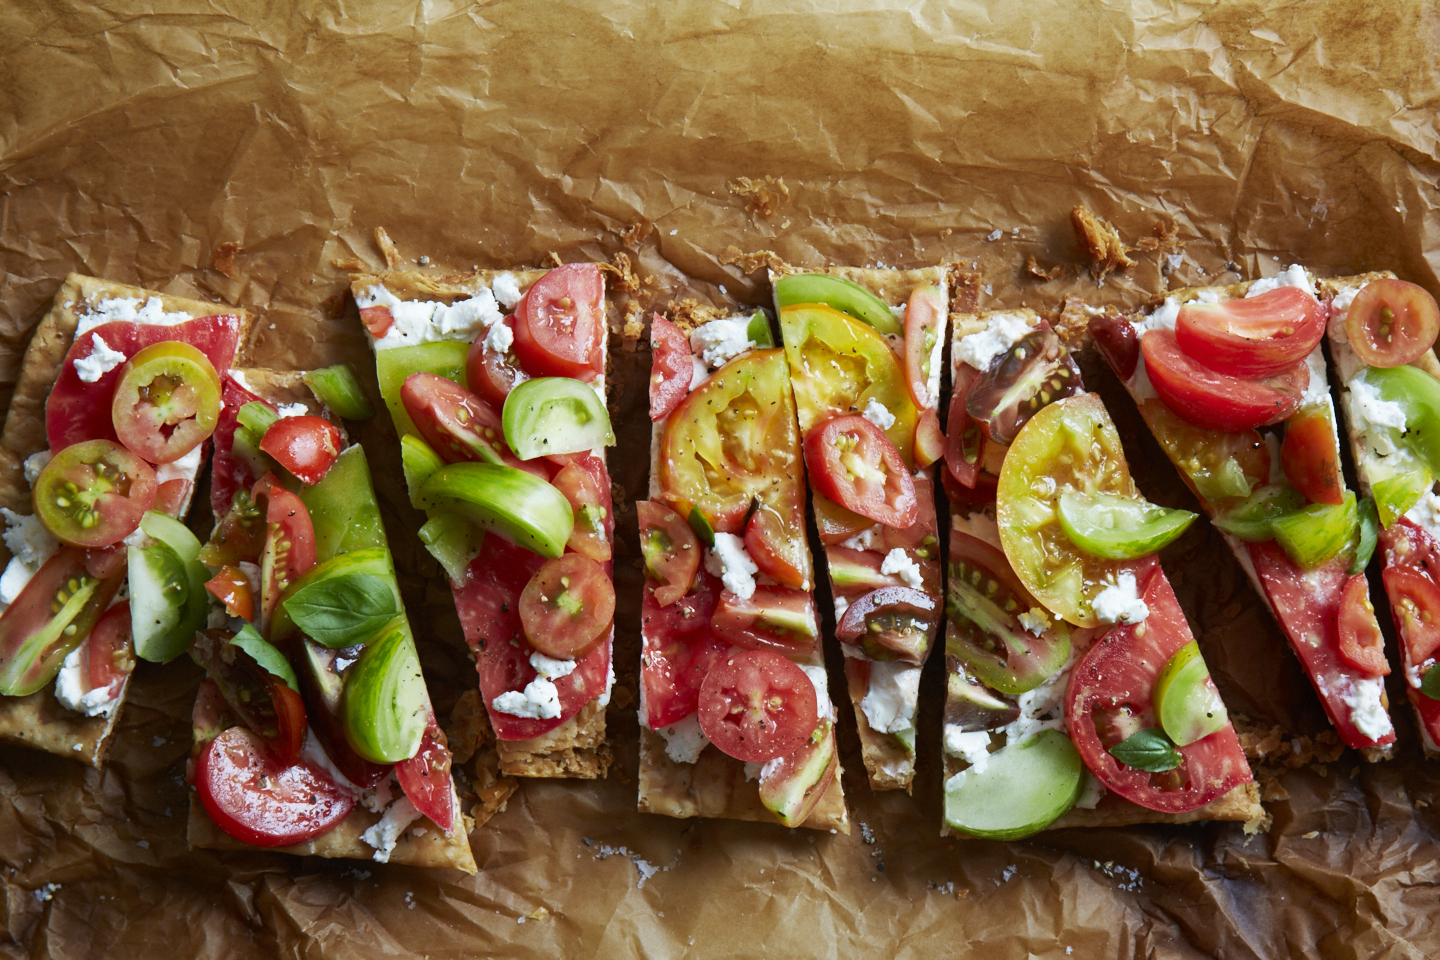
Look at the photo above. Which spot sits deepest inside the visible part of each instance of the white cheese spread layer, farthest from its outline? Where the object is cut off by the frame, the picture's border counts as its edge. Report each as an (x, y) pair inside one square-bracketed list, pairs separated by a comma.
[(684, 740), (70, 690), (425, 321), (1292, 276), (823, 705), (729, 561), (1366, 711), (34, 464), (127, 310), (1002, 331), (889, 704)]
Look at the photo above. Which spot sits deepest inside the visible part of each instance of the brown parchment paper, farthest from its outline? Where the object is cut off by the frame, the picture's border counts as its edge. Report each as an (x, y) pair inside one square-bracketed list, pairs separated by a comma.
[(243, 151)]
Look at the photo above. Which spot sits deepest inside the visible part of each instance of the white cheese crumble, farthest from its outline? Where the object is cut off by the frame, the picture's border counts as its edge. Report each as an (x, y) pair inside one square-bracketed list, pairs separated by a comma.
[(1317, 391), (384, 835), (1120, 601), (550, 668), (684, 740), (506, 289), (898, 562), (12, 581), (973, 746), (70, 684), (604, 699), (932, 379), (889, 704), (500, 338), (1001, 333), (34, 464), (816, 673), (867, 539), (1376, 422), (284, 410), (101, 361), (540, 700), (1292, 276), (424, 321), (27, 538), (720, 341), (878, 414), (1163, 317), (1339, 307), (729, 561), (1366, 711), (1091, 793), (128, 310), (1034, 620), (1043, 707), (841, 605)]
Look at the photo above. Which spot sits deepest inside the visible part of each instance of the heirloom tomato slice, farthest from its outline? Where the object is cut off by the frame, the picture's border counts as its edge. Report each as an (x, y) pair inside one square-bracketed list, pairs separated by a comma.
[(1213, 400), (458, 425), (257, 799), (167, 402), (756, 705), (1254, 336), (109, 655), (586, 485), (93, 494), (924, 313), (671, 549), (426, 779), (777, 545), (1392, 322), (560, 324), (289, 548), (773, 618), (1219, 467), (852, 462), (672, 367), (1310, 454), (964, 439), (567, 607), (1361, 644)]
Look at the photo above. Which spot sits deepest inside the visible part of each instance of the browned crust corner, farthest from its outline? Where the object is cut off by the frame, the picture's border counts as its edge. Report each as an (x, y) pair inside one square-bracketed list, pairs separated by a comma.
[(576, 748)]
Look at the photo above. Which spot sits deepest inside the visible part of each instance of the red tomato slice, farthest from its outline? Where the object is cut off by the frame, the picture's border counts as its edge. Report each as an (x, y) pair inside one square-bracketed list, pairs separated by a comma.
[(289, 544), (568, 607), (167, 401), (924, 312), (679, 650), (1307, 606), (228, 471), (1115, 338), (929, 441), (266, 703), (1391, 322), (1214, 400), (855, 464), (377, 320), (756, 623), (109, 654), (171, 495), (891, 623), (426, 780), (1415, 605), (586, 484), (488, 601), (671, 549), (777, 544), (93, 494), (1255, 336), (458, 425), (105, 562), (306, 446), (22, 625), (493, 374), (1112, 686), (1361, 644), (921, 537), (964, 439), (756, 705), (261, 801), (231, 587), (671, 367), (837, 524), (1311, 454), (76, 410), (560, 325)]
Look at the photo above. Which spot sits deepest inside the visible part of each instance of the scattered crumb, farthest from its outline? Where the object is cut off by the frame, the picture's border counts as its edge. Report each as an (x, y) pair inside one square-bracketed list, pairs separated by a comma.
[(1129, 880), (1033, 268), (994, 235), (635, 234), (1311, 835), (626, 280), (1164, 239), (763, 196), (44, 893), (539, 913), (1101, 243), (687, 314), (646, 868), (387, 248), (553, 259), (750, 262), (1421, 804), (866, 833), (143, 844), (424, 261), (225, 258)]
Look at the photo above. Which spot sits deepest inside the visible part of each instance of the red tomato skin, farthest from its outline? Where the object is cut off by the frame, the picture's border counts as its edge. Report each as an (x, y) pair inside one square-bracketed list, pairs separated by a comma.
[(237, 780), (1120, 670), (895, 505), (554, 339), (671, 367), (1116, 340), (924, 312), (490, 373), (229, 473), (109, 654), (1310, 455), (962, 431), (756, 678), (679, 650), (1361, 644), (585, 481), (1216, 401), (377, 320), (306, 446), (76, 410), (1412, 564), (736, 620), (1414, 322), (289, 543), (456, 423), (777, 546), (171, 495), (1246, 338), (677, 576), (426, 779)]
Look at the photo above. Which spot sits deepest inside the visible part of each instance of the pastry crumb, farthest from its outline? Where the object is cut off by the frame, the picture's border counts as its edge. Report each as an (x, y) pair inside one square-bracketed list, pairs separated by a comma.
[(388, 250), (762, 196), (1101, 243)]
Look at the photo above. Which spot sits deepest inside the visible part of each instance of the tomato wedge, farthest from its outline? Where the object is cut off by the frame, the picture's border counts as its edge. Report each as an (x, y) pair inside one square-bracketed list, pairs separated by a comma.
[(756, 705), (306, 446), (257, 799), (426, 780), (773, 618), (924, 312), (1391, 322), (458, 425), (1415, 602), (891, 623), (265, 702), (567, 607), (51, 616), (560, 324), (1214, 400), (493, 373), (671, 367), (679, 651), (93, 494), (1110, 696), (289, 544), (1255, 336), (772, 542), (586, 485), (964, 440), (109, 655), (853, 463), (1311, 454), (1361, 644), (167, 402), (671, 549), (837, 524), (232, 588)]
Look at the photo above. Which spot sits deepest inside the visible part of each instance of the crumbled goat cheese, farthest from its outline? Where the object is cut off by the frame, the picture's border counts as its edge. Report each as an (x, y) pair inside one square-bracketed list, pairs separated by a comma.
[(1317, 391), (1163, 317), (12, 581), (1120, 602), (971, 746), (729, 561), (1366, 711), (384, 835), (1091, 793), (539, 699), (506, 289), (34, 464), (1001, 333), (878, 414), (70, 690), (27, 538), (549, 668), (889, 704), (128, 310), (1035, 620), (816, 673), (684, 740), (604, 699), (867, 539), (1043, 707), (720, 341), (1426, 513), (898, 562), (1293, 276), (424, 321), (1377, 420), (841, 605), (1340, 304), (500, 338), (284, 410), (100, 361)]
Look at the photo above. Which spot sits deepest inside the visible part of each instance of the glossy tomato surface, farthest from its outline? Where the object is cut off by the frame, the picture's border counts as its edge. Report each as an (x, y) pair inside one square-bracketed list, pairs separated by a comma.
[(167, 401), (853, 463), (672, 367), (1254, 336), (756, 705), (493, 373), (567, 607), (773, 618), (261, 801), (1213, 400), (964, 440), (109, 654), (1216, 465), (265, 702), (1310, 455), (426, 779), (1361, 644), (289, 549), (458, 425), (1392, 322), (672, 551), (776, 543), (229, 471), (306, 446), (93, 494), (560, 324), (924, 314), (585, 482), (679, 650)]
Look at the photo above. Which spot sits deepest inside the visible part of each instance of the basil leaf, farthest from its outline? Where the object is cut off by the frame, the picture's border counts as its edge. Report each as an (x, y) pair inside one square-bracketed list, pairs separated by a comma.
[(1149, 750), (344, 610), (265, 654), (1369, 536), (1430, 686)]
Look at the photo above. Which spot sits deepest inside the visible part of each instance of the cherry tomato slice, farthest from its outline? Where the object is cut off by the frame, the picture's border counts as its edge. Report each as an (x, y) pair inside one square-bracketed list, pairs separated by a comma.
[(560, 324), (1361, 644), (306, 446), (93, 494), (51, 616), (289, 549), (929, 441), (567, 607), (1036, 371), (426, 780), (230, 470), (892, 623), (1111, 691), (1255, 336), (853, 463), (377, 320), (266, 703), (257, 799), (1391, 322), (671, 549), (1213, 400), (586, 484), (1415, 604), (1311, 454), (458, 425), (773, 618), (964, 440), (924, 313), (671, 367), (492, 373), (774, 544), (172, 495), (756, 705), (167, 402), (109, 655), (231, 587)]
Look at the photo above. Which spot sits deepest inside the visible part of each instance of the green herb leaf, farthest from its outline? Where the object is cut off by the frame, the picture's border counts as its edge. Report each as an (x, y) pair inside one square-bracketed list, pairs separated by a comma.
[(701, 525), (265, 654), (343, 611), (1149, 750), (1369, 536), (1430, 686)]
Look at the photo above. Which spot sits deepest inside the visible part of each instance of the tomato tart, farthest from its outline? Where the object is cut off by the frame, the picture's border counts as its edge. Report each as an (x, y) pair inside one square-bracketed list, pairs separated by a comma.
[(1075, 692), (1382, 334), (1233, 384), (496, 384), (736, 718), (106, 433), (865, 351)]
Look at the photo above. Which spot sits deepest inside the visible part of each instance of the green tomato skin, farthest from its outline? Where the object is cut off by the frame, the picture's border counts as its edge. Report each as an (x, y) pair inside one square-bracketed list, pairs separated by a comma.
[(555, 415), (1187, 704), (1394, 496), (392, 366), (1318, 533), (844, 295), (1418, 394), (386, 706), (1119, 528), (338, 388), (519, 506), (344, 509), (1023, 789)]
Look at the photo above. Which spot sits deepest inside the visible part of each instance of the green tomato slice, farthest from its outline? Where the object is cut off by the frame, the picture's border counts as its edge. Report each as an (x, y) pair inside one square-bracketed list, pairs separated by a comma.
[(555, 415), (257, 417), (1118, 527), (339, 389), (343, 508), (1252, 518), (1023, 789), (844, 295), (386, 705), (517, 505), (1394, 496), (758, 332), (162, 602), (1418, 394), (1369, 537), (452, 540), (419, 462), (392, 366), (1185, 698), (1318, 533)]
